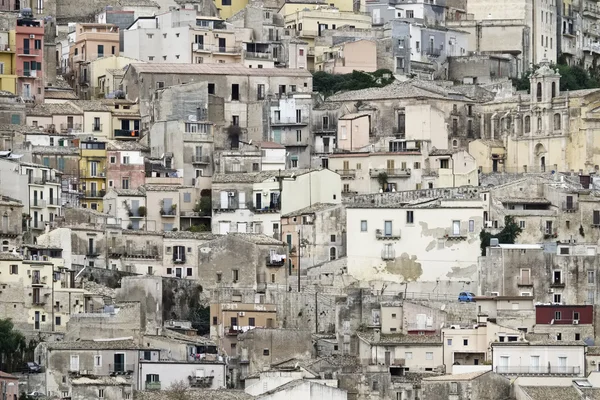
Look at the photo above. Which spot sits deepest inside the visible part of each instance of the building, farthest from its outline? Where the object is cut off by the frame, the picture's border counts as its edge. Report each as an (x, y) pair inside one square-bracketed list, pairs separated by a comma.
[(541, 357), (166, 200), (29, 38), (315, 235), (183, 252), (126, 168), (12, 223), (263, 195), (96, 117), (473, 385), (228, 320), (564, 322), (516, 312), (106, 73), (92, 173), (92, 41), (305, 389), (206, 373), (56, 118), (8, 57), (273, 156), (290, 122), (359, 55), (418, 242)]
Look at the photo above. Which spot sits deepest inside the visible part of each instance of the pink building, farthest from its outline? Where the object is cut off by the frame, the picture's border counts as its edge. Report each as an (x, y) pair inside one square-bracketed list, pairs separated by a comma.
[(29, 35), (9, 385), (126, 165)]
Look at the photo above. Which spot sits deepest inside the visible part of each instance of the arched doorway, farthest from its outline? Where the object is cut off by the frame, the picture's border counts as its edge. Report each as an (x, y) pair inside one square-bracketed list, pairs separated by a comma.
[(540, 156)]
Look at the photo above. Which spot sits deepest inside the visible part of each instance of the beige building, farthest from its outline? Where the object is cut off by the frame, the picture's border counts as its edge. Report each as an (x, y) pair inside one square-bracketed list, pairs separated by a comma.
[(166, 200), (105, 74), (54, 118), (545, 131), (358, 55)]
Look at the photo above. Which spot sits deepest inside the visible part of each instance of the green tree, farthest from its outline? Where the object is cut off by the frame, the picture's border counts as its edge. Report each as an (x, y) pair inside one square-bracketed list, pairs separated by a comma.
[(328, 84), (572, 77), (13, 346), (508, 235)]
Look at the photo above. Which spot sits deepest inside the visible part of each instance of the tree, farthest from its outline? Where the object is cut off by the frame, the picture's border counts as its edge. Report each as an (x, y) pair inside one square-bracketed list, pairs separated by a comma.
[(13, 346), (328, 84), (382, 179), (572, 77), (508, 235)]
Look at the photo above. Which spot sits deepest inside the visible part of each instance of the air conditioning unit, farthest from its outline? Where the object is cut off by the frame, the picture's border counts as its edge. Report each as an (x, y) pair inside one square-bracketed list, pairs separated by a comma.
[(575, 322), (489, 224), (550, 290), (495, 294), (31, 36), (231, 194), (242, 314)]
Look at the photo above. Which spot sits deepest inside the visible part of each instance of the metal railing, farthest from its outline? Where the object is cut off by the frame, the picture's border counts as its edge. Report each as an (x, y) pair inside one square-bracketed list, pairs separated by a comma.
[(381, 234), (201, 160), (152, 386), (94, 193), (541, 370), (44, 180), (274, 263), (290, 121), (217, 48), (431, 52), (120, 368), (127, 133), (566, 206), (96, 127), (524, 281), (26, 51), (346, 173), (258, 55), (27, 73), (391, 173), (70, 127), (54, 201), (38, 203)]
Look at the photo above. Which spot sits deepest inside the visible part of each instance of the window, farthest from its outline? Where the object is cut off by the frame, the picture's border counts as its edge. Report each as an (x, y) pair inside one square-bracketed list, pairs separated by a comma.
[(187, 197), (449, 342), (596, 217), (332, 254), (150, 270), (235, 275), (576, 316), (363, 225), (251, 321), (557, 297), (408, 355), (219, 277), (346, 188), (125, 159), (471, 225), (100, 50), (57, 321), (125, 183), (522, 224), (160, 85), (101, 393), (453, 387), (557, 122), (260, 91), (429, 355), (444, 163), (410, 14), (410, 217), (577, 336), (235, 92), (332, 238), (97, 361), (527, 124), (14, 269), (590, 277), (298, 135), (465, 342), (266, 352), (211, 88), (188, 272)]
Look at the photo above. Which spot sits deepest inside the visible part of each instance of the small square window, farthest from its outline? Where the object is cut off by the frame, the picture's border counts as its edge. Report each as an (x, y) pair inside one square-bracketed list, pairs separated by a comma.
[(266, 352), (449, 341), (465, 342), (332, 238), (363, 226)]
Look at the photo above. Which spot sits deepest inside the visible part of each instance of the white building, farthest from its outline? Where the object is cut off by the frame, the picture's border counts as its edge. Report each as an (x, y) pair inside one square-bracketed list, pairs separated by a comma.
[(273, 156), (547, 357), (124, 205), (305, 390), (162, 375), (432, 245)]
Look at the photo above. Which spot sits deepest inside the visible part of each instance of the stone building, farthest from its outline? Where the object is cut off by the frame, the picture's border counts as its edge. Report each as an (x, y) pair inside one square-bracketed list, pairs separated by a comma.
[(11, 211), (126, 167), (473, 385), (182, 254)]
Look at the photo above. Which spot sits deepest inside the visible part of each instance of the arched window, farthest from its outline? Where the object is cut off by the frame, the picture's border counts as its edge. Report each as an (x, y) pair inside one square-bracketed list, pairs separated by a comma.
[(557, 124), (332, 254), (455, 143), (539, 91), (553, 89), (527, 124)]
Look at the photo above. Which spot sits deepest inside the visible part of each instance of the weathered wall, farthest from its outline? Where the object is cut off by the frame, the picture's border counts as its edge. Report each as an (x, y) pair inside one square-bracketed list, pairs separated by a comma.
[(147, 290), (486, 387)]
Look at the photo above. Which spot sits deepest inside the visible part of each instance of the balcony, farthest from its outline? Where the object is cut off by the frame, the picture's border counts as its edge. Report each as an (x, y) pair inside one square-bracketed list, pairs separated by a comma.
[(38, 203), (95, 194), (25, 51), (569, 206), (275, 261), (54, 202), (227, 50), (168, 213), (126, 134), (37, 225), (202, 381), (293, 121), (550, 233), (591, 10), (5, 48), (152, 386), (524, 281), (37, 281), (545, 370), (201, 160), (232, 331), (391, 173), (451, 234), (252, 55), (346, 173), (557, 284), (96, 127), (431, 52), (121, 369), (590, 48), (39, 302), (381, 234), (164, 180), (68, 128), (44, 179), (26, 73), (271, 209)]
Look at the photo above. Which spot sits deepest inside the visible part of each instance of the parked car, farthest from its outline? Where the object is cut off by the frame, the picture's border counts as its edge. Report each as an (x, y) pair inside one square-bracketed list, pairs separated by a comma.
[(35, 395), (466, 297), (32, 368)]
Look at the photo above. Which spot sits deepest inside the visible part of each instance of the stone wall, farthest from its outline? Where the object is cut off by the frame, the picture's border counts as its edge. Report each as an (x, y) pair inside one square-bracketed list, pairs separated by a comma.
[(464, 192)]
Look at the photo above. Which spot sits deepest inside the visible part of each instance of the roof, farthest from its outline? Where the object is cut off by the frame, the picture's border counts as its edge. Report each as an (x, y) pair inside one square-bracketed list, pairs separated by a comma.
[(129, 192), (49, 109), (399, 338), (542, 342), (457, 377), (96, 344), (90, 105), (216, 69), (127, 145), (139, 3), (271, 145), (199, 394), (523, 200), (317, 207), (102, 380), (5, 375), (190, 235), (55, 150), (256, 177), (60, 94), (256, 238), (10, 257), (354, 115), (14, 128), (400, 90), (551, 392)]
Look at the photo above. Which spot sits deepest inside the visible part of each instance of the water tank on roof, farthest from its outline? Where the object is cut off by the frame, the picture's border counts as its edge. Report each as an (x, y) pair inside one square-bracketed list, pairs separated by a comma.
[(108, 8), (494, 242), (26, 13)]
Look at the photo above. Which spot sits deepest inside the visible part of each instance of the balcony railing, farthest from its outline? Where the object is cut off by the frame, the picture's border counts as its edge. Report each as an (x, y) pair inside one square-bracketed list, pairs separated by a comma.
[(257, 55), (201, 160), (25, 51), (527, 281), (38, 203), (557, 284), (152, 385), (70, 127), (27, 73), (541, 370), (275, 261), (96, 127), (168, 213), (36, 280), (382, 234), (570, 207), (431, 52), (127, 133), (94, 193), (232, 331), (121, 368), (54, 202), (346, 173), (43, 180), (391, 173), (290, 121)]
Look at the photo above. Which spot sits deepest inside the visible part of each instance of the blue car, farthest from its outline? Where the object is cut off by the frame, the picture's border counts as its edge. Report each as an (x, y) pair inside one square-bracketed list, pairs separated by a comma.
[(466, 297)]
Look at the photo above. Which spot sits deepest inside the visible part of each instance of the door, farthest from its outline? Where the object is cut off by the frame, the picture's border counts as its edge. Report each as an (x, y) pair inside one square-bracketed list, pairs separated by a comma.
[(26, 46), (35, 198), (388, 358), (388, 228), (325, 145), (525, 276), (90, 246), (222, 45), (456, 228), (534, 364), (495, 165), (37, 320), (70, 122), (178, 272), (503, 364), (276, 135), (562, 365), (93, 189), (258, 201), (224, 200), (119, 365), (223, 228), (74, 365), (135, 205)]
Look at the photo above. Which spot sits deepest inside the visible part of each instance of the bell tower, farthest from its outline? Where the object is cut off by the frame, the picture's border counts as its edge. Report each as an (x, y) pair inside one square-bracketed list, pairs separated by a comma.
[(545, 85)]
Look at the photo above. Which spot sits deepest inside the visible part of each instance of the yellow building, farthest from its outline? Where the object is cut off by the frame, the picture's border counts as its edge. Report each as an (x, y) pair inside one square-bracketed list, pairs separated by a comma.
[(92, 173), (36, 289), (291, 7), (308, 24), (228, 8), (8, 62)]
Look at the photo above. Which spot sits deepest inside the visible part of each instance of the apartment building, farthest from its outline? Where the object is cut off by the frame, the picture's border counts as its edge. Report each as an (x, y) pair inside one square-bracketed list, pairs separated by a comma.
[(92, 173), (359, 55), (96, 117), (12, 223), (105, 74), (125, 168), (290, 122), (565, 322), (407, 242), (29, 41), (166, 200), (8, 60), (56, 118)]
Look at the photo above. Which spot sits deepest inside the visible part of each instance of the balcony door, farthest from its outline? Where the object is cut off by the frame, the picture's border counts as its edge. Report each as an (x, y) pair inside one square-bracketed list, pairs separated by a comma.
[(119, 360), (534, 364)]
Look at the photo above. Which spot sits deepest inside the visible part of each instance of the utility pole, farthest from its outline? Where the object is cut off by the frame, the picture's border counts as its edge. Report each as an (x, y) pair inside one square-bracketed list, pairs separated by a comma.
[(316, 312), (299, 258)]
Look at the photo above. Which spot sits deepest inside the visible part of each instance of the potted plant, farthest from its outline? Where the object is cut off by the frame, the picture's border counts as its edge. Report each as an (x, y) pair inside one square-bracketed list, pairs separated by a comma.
[(142, 211), (173, 208), (382, 179)]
